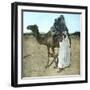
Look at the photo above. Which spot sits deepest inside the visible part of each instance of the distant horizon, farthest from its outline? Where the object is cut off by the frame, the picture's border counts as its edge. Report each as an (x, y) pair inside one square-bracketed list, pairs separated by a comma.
[(45, 21), (46, 32)]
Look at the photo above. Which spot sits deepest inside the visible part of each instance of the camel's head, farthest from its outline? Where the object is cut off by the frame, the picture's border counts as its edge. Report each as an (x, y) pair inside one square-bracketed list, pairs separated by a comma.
[(34, 28)]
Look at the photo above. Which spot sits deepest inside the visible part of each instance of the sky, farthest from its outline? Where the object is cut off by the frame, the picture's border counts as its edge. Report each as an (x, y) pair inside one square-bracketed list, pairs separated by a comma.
[(45, 21)]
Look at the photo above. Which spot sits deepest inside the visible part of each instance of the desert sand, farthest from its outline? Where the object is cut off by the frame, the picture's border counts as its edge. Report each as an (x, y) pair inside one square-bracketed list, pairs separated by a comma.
[(35, 59)]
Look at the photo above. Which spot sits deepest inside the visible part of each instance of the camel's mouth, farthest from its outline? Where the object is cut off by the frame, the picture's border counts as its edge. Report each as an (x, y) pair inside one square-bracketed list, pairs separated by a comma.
[(28, 27)]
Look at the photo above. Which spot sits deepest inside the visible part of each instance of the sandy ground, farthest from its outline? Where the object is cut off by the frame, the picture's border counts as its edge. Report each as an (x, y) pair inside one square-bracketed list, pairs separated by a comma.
[(35, 59)]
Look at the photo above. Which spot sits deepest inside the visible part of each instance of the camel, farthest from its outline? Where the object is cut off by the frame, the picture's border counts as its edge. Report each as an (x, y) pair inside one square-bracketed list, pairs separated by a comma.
[(48, 39)]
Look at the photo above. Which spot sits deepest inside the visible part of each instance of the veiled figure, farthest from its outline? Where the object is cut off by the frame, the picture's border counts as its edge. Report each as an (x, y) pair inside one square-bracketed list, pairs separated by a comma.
[(64, 52), (64, 45)]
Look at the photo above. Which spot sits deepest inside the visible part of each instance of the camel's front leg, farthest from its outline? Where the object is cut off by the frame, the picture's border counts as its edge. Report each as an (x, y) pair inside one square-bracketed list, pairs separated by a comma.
[(56, 59), (55, 55), (56, 62), (48, 58), (53, 60)]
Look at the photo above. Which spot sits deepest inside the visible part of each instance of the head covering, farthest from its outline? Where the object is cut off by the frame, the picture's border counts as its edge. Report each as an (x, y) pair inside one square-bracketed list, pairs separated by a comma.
[(60, 24)]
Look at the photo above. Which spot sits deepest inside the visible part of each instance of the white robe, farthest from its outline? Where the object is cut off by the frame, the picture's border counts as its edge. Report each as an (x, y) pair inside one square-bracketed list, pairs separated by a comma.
[(64, 53)]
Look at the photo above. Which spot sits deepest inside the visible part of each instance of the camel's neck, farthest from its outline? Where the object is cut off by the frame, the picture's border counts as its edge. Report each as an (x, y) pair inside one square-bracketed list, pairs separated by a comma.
[(45, 39), (40, 39), (37, 34)]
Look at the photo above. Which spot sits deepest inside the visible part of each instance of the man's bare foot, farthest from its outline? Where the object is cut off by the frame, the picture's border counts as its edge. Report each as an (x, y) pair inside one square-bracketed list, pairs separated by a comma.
[(60, 70)]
